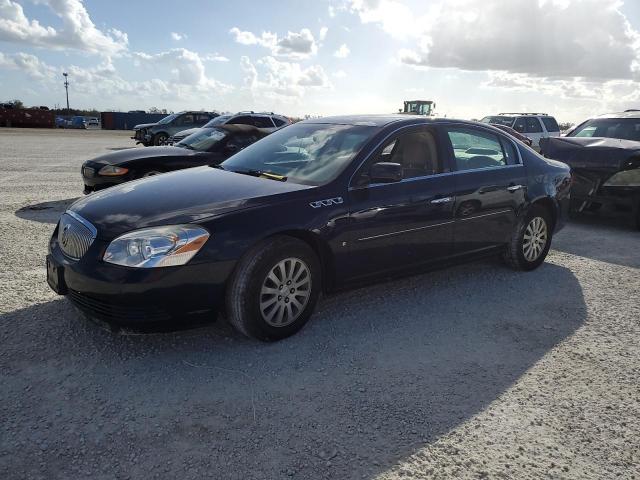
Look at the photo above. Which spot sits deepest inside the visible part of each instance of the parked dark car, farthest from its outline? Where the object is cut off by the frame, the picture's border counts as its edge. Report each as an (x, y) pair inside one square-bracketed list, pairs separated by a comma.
[(267, 121), (604, 154), (317, 206), (209, 146), (523, 138), (158, 133)]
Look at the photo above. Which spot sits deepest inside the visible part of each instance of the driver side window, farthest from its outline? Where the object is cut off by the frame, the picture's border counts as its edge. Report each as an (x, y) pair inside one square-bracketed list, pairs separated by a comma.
[(415, 151), (473, 149)]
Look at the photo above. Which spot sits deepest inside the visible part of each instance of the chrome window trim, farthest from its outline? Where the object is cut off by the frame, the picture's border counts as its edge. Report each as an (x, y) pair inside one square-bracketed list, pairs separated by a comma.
[(85, 223), (399, 131)]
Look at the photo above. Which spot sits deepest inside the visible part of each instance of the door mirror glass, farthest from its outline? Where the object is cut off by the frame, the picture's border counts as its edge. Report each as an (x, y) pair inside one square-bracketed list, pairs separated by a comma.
[(385, 172)]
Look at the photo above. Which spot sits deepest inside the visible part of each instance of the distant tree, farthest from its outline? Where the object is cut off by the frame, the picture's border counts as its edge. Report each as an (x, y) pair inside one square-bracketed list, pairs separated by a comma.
[(17, 104), (565, 126), (155, 110)]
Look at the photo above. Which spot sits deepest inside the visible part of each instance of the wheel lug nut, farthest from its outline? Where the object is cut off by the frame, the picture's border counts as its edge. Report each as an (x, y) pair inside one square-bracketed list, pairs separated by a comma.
[(280, 287), (279, 297), (292, 290), (286, 300), (289, 282)]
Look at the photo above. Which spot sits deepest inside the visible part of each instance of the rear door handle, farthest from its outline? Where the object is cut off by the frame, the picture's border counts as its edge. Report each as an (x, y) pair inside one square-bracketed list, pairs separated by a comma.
[(442, 200), (514, 188)]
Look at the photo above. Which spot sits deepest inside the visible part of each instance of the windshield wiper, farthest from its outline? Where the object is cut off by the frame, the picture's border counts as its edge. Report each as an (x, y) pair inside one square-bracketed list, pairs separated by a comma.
[(263, 174)]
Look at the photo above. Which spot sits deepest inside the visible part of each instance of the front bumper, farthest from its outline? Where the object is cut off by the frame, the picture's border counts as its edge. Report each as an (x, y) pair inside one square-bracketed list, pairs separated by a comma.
[(138, 297)]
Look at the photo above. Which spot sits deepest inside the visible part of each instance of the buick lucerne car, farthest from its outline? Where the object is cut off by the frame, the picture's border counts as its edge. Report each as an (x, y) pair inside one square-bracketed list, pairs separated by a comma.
[(320, 205), (208, 146)]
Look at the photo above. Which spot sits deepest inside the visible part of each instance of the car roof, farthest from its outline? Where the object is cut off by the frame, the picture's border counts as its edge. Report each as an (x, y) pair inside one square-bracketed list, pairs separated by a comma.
[(385, 119), (625, 114)]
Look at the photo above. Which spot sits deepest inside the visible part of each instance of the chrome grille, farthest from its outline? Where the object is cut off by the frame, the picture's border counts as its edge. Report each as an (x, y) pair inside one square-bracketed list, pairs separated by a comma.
[(75, 235)]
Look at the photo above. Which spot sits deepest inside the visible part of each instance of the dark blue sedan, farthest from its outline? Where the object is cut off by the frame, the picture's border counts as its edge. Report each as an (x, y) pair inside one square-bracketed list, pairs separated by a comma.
[(317, 206)]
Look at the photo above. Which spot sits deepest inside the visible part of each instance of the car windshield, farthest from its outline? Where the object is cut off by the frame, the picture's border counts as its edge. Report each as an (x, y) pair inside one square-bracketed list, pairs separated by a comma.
[(217, 121), (622, 128), (500, 120), (308, 153), (168, 119), (203, 140)]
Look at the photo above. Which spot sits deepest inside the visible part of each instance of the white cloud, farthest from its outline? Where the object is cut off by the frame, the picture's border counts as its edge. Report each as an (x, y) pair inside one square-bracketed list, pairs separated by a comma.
[(342, 52), (295, 45), (29, 64), (273, 78), (177, 36), (332, 11), (323, 33), (214, 57), (78, 31), (340, 74), (394, 17), (568, 41)]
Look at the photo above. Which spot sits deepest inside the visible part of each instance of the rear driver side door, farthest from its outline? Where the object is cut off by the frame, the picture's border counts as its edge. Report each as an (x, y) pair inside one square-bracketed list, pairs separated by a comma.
[(490, 187)]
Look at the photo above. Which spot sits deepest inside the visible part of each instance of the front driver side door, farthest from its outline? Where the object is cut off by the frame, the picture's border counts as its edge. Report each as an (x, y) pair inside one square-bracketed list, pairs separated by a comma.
[(407, 223)]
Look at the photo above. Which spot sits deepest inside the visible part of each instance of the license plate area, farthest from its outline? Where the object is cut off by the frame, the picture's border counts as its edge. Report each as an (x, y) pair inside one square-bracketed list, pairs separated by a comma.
[(55, 276)]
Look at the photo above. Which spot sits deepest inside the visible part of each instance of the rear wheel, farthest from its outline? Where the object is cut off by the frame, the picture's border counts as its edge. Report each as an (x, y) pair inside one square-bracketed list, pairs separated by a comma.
[(274, 289), (530, 240), (151, 173)]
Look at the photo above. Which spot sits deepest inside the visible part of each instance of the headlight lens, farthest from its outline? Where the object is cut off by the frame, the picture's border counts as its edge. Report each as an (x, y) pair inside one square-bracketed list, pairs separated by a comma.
[(112, 170), (626, 178), (157, 246)]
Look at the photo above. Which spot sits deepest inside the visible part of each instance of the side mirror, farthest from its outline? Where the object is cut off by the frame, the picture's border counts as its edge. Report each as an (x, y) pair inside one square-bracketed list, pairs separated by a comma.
[(385, 172)]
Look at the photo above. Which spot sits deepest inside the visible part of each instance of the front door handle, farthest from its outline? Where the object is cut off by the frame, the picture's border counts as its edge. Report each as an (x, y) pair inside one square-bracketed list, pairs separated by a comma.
[(514, 188), (442, 200)]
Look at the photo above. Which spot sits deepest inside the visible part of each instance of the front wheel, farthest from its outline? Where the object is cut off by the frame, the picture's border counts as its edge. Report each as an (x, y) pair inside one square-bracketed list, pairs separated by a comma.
[(530, 240), (160, 139), (274, 289)]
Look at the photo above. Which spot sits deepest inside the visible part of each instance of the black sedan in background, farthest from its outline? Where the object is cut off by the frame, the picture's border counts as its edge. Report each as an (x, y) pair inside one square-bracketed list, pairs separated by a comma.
[(317, 206), (208, 146), (604, 155)]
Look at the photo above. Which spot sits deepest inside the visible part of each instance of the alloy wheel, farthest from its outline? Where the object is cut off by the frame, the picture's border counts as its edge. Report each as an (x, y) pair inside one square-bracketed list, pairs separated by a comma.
[(285, 292), (535, 239)]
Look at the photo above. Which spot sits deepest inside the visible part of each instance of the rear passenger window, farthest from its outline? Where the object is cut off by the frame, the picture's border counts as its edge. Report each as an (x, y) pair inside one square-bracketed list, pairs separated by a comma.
[(242, 120), (262, 122), (473, 149), (278, 121), (533, 125), (550, 124)]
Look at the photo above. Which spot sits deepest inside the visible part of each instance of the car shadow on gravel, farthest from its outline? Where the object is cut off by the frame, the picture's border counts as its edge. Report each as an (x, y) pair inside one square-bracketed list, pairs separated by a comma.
[(611, 239), (45, 212), (378, 374)]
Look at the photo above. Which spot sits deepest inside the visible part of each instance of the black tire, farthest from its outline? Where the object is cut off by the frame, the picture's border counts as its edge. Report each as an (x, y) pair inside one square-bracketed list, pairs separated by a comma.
[(244, 290), (160, 138), (514, 254)]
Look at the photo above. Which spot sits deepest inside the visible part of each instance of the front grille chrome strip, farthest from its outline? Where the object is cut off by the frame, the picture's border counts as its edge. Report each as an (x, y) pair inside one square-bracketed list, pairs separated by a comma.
[(75, 235)]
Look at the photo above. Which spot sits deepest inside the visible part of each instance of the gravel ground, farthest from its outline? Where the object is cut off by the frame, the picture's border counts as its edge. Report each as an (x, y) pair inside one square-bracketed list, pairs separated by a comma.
[(472, 372)]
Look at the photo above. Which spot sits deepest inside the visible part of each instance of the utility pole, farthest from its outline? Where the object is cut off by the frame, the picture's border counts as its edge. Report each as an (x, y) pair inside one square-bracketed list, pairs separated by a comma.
[(66, 87)]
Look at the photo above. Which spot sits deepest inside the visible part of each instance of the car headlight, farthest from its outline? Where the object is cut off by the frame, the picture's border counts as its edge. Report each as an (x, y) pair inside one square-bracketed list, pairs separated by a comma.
[(626, 178), (157, 246), (112, 171)]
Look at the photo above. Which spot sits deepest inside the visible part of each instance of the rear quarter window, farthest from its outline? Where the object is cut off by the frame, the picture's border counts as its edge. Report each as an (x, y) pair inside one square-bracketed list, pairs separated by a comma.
[(550, 124)]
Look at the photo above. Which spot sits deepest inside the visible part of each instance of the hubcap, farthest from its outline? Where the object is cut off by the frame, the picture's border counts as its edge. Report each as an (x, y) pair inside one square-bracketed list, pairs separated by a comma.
[(285, 292), (535, 239)]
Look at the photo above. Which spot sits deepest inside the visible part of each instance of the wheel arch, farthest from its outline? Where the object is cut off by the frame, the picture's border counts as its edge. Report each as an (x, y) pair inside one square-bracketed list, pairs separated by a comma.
[(550, 205)]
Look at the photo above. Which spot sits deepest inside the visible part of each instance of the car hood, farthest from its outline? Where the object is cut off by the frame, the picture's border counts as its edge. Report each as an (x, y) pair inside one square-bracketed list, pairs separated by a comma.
[(144, 125), (124, 156), (590, 153), (184, 196)]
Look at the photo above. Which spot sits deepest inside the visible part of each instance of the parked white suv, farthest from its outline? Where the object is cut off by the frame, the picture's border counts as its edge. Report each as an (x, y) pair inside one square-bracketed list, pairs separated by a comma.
[(533, 125), (269, 122)]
